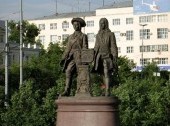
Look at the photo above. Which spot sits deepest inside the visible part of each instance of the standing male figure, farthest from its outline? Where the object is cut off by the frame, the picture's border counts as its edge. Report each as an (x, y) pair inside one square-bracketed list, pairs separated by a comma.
[(106, 53), (72, 55)]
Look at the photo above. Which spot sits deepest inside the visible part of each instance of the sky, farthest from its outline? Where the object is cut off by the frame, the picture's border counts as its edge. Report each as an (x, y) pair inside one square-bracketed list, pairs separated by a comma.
[(10, 9)]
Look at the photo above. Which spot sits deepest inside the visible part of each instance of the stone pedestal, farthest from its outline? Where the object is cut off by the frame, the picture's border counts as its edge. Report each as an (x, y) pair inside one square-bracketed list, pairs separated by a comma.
[(87, 111)]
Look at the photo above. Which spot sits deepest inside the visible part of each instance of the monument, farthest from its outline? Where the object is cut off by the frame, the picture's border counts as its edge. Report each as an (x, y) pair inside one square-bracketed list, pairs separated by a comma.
[(83, 109)]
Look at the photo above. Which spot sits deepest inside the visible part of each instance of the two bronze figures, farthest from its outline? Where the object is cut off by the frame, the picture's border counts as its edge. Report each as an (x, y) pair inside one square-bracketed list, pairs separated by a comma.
[(77, 56)]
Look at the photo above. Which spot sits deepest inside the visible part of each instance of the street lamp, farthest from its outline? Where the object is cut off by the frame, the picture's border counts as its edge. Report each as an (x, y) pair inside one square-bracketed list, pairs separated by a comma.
[(21, 44), (143, 25)]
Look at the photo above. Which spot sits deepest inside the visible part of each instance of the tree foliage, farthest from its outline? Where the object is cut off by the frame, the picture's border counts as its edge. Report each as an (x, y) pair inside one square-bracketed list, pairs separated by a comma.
[(28, 108), (30, 31), (33, 103), (145, 100)]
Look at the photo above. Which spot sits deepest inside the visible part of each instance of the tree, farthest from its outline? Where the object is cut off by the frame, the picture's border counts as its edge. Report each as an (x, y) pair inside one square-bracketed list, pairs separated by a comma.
[(30, 31), (43, 80), (144, 101)]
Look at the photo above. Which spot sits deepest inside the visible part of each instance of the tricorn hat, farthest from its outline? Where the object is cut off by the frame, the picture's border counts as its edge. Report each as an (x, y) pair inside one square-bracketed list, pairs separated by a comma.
[(82, 22)]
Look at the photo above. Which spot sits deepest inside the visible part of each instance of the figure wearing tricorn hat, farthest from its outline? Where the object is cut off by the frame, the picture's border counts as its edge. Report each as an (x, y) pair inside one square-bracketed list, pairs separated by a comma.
[(72, 55)]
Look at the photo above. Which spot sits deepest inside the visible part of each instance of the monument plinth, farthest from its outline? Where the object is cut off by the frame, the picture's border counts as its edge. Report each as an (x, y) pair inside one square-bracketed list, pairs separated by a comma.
[(87, 111)]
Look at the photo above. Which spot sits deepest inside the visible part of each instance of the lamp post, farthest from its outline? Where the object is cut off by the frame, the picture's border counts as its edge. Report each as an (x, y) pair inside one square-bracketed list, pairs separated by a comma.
[(143, 25), (6, 65), (21, 42)]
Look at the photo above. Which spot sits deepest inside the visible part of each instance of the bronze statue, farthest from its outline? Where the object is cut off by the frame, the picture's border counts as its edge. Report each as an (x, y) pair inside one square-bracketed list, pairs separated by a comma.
[(72, 55), (106, 53)]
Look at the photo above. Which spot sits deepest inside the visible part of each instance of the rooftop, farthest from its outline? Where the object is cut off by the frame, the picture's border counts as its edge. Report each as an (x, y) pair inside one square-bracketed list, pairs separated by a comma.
[(119, 5), (89, 13), (67, 15)]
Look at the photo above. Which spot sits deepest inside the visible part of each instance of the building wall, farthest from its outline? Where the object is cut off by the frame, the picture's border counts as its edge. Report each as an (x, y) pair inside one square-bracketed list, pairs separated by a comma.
[(153, 21), (14, 53), (14, 49)]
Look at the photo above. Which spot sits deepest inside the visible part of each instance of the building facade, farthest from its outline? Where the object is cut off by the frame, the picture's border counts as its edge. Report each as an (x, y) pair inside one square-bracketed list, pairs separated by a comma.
[(143, 38), (14, 49)]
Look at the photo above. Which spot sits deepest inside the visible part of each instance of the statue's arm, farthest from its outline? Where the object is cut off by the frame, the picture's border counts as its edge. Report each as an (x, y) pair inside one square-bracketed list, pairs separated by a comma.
[(85, 42), (96, 46), (67, 50), (114, 49)]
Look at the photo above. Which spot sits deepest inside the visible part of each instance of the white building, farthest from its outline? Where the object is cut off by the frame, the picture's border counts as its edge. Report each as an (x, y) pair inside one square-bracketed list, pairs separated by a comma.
[(130, 34)]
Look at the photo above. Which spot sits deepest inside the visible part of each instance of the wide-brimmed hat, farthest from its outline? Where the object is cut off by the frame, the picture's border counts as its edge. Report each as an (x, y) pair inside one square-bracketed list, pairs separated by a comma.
[(82, 22)]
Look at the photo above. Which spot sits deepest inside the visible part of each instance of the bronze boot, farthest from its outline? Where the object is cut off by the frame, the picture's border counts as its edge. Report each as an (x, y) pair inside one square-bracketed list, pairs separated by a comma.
[(107, 89), (67, 88)]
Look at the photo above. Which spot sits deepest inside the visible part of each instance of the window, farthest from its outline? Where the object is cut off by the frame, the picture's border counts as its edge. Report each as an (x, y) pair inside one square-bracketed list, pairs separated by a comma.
[(65, 25), (163, 61), (146, 19), (145, 34), (129, 49), (162, 33), (162, 18), (119, 49), (42, 39), (90, 23), (116, 21), (164, 47), (129, 35), (129, 20), (90, 37), (64, 37), (41, 26), (53, 38), (145, 61), (154, 48), (53, 26)]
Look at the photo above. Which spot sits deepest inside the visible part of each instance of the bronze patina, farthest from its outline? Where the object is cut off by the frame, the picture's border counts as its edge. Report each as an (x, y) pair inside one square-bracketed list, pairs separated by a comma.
[(106, 53)]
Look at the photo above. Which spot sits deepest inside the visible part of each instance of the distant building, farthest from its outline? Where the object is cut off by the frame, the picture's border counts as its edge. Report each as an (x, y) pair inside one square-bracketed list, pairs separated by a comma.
[(14, 49), (133, 31)]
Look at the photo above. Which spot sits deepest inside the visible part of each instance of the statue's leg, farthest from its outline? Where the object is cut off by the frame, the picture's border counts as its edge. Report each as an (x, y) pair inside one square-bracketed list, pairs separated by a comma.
[(69, 75), (106, 78)]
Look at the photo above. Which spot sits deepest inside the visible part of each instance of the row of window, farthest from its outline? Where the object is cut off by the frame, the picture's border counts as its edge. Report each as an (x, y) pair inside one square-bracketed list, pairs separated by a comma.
[(53, 38), (162, 33), (147, 48), (145, 61), (154, 48), (116, 21), (65, 25), (13, 58), (144, 19), (54, 26), (153, 18)]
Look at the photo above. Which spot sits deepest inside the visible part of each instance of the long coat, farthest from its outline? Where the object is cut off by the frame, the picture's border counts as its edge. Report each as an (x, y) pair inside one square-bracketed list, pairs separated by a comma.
[(105, 49), (76, 42)]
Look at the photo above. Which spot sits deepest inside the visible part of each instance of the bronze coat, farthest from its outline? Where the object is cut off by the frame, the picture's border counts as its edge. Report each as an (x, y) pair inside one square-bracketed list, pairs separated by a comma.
[(105, 49), (74, 46)]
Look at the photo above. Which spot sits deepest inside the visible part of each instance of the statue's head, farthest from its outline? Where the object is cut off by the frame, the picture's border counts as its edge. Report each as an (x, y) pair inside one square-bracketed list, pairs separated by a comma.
[(78, 23), (104, 24)]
